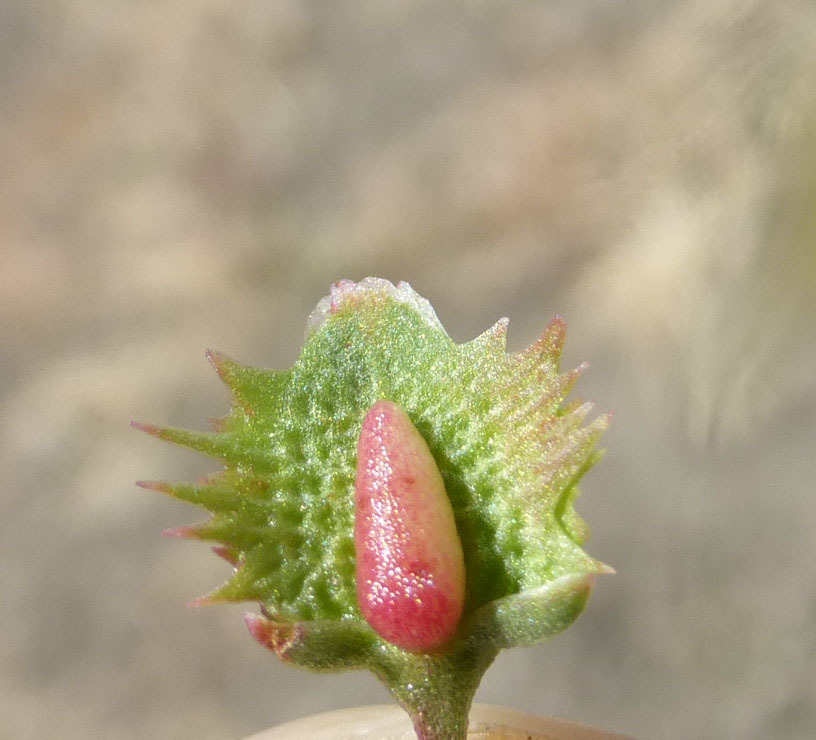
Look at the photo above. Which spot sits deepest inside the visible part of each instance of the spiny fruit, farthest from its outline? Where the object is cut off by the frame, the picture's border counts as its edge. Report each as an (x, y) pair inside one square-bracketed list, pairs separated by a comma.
[(410, 566), (397, 501)]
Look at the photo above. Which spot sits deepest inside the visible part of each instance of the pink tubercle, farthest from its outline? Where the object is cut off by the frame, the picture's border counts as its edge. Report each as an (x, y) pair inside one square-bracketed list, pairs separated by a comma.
[(410, 565)]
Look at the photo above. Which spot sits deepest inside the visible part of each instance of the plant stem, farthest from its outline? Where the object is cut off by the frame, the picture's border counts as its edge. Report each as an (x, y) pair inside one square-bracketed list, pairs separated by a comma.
[(437, 690), (441, 723)]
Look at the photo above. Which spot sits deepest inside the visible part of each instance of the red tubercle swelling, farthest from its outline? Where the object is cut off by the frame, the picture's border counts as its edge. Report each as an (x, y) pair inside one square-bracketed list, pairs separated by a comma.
[(410, 566)]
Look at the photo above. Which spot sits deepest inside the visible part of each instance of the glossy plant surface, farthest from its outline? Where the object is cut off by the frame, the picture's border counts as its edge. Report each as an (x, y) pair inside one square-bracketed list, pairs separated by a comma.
[(410, 566)]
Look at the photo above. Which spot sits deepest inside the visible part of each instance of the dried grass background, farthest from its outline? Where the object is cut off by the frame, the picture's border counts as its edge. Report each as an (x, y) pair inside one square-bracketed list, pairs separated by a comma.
[(176, 176)]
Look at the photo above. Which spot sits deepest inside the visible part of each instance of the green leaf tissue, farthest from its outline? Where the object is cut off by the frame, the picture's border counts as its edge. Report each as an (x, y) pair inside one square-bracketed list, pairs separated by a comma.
[(397, 501)]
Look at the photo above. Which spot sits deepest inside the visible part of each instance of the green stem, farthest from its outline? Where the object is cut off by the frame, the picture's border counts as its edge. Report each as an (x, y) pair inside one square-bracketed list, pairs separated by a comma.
[(447, 721), (437, 690)]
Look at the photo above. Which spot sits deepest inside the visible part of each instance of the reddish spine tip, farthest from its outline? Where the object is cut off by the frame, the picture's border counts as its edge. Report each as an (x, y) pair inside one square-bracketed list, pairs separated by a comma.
[(227, 553), (200, 601), (187, 532), (277, 636), (554, 336), (410, 565), (256, 625), (154, 485), (146, 428), (217, 360)]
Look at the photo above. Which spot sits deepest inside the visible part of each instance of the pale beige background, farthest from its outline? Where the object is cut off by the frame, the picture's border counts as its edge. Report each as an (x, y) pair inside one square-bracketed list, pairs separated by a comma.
[(176, 176)]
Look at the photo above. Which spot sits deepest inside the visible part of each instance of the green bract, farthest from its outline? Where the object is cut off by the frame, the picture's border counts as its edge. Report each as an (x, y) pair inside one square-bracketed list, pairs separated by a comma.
[(510, 451)]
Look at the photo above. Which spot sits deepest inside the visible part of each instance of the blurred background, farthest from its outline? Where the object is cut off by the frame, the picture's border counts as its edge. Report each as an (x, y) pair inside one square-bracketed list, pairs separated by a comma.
[(177, 176)]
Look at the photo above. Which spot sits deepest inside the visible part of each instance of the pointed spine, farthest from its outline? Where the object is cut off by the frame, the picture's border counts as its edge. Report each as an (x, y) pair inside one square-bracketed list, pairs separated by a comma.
[(219, 445)]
